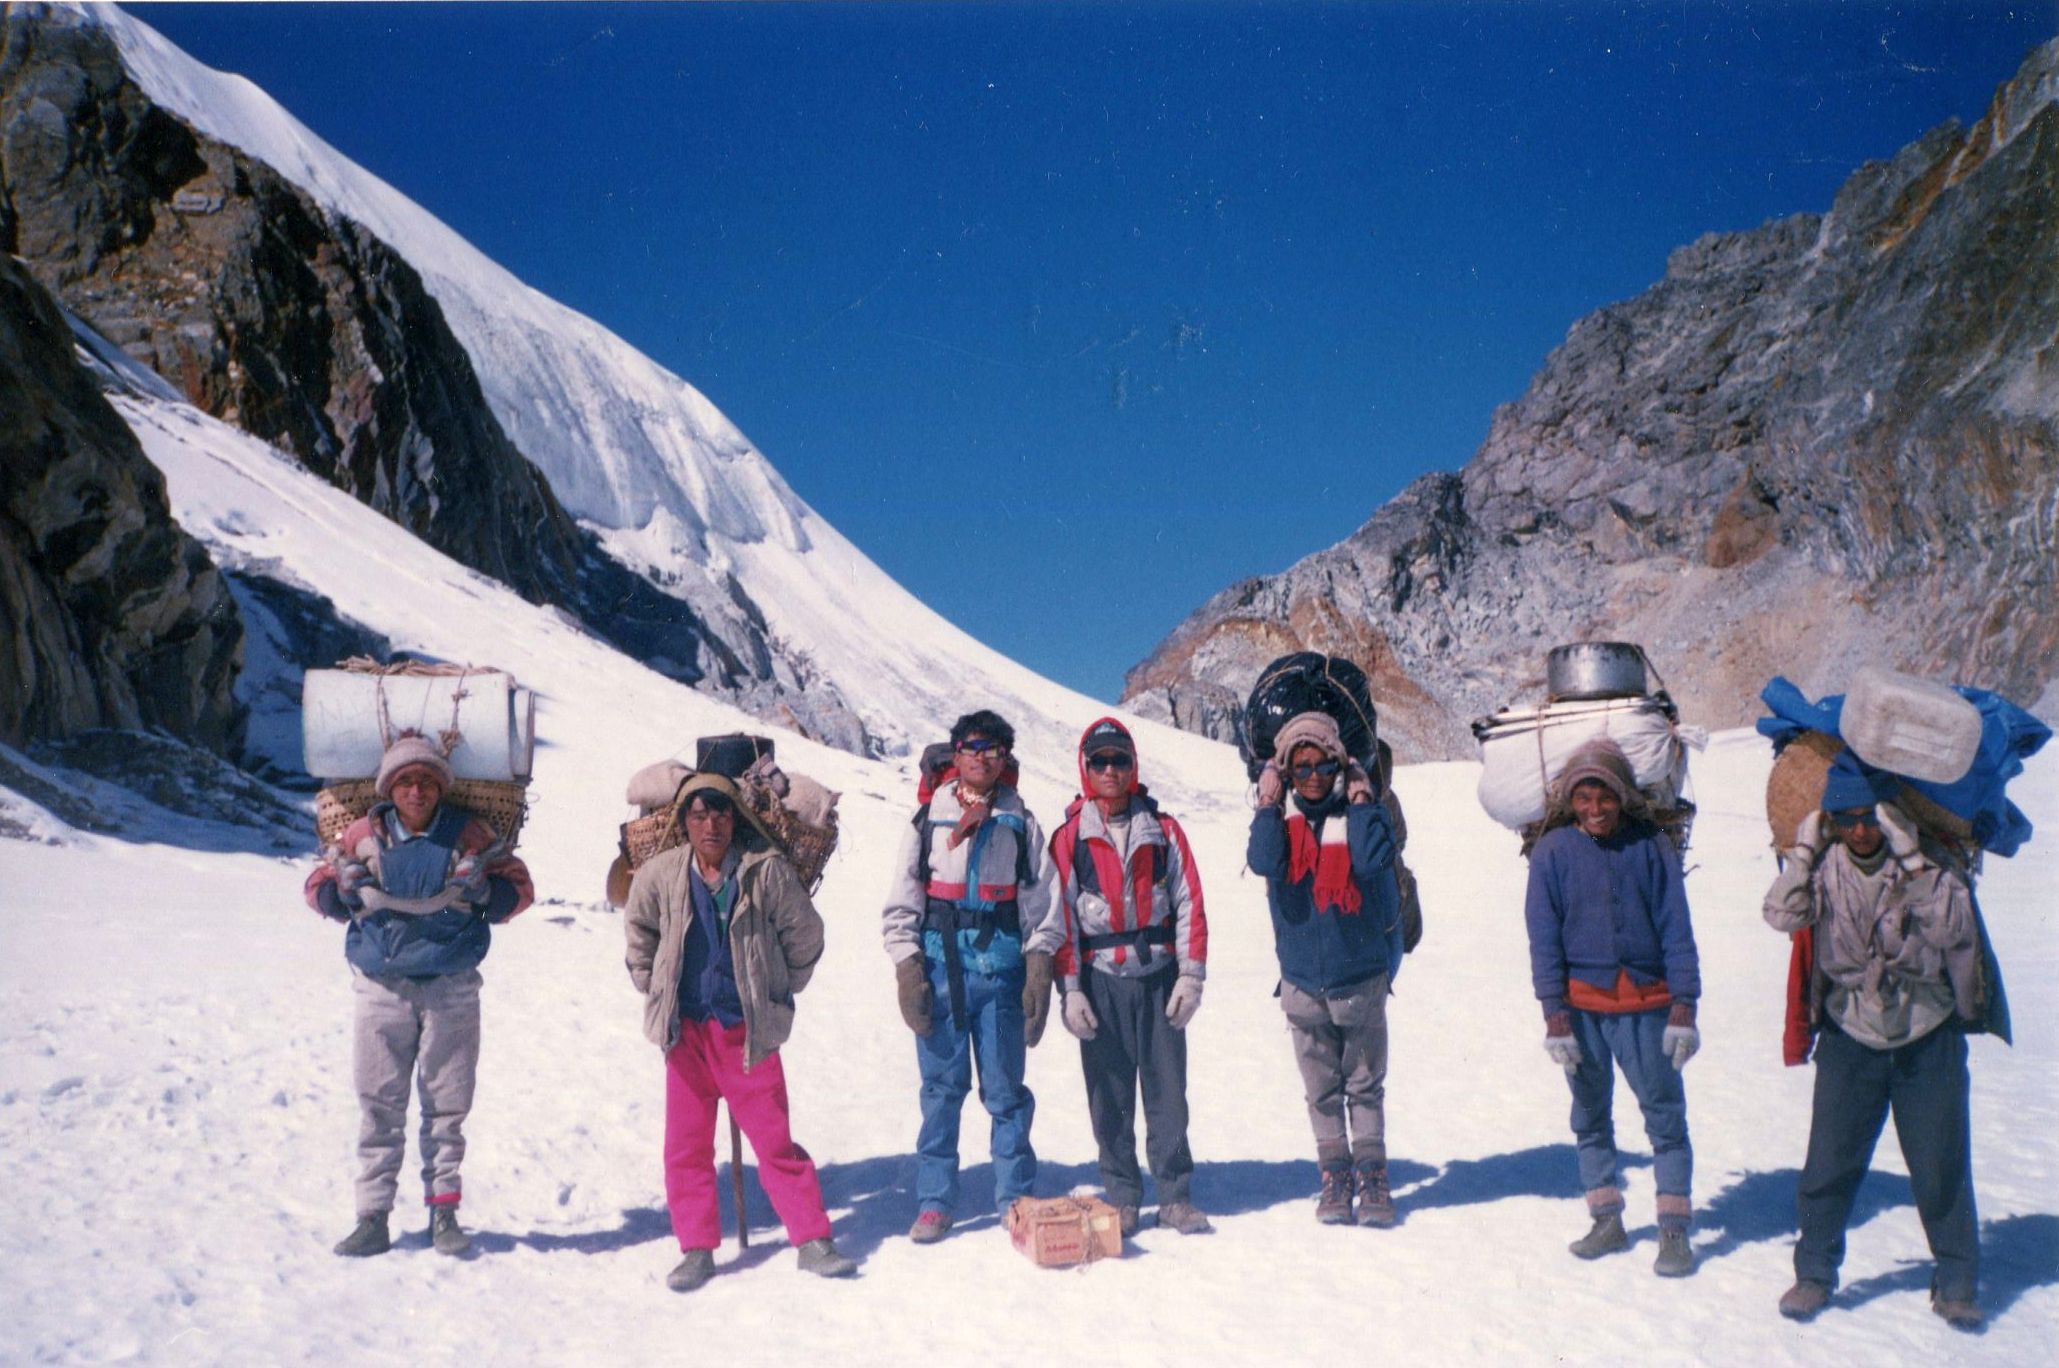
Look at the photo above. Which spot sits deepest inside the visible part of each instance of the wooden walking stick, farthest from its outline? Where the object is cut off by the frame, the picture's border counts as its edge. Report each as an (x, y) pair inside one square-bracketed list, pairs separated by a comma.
[(736, 1181)]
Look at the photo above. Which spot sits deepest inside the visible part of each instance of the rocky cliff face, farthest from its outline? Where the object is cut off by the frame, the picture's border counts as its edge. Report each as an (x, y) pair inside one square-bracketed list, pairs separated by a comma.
[(110, 616), (302, 328), (1830, 440)]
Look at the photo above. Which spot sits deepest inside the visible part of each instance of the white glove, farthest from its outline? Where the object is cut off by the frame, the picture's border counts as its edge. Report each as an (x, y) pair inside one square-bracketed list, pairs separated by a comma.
[(1272, 785), (351, 875), (1358, 786), (1680, 1043), (469, 878), (1184, 1002), (1079, 1016), (1811, 838), (1902, 840), (1564, 1051)]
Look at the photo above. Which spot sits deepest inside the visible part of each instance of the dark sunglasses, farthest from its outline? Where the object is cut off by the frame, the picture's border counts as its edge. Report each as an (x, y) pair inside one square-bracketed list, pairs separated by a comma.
[(980, 745), (1851, 821), (1325, 768), (1110, 760)]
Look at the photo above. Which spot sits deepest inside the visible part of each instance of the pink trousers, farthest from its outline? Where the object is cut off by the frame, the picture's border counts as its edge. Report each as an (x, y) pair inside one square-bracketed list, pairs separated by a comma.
[(706, 1066)]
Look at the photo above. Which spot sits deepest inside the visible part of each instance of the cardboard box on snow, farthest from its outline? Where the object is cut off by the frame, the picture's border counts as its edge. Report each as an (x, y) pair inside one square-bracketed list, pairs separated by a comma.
[(1059, 1232)]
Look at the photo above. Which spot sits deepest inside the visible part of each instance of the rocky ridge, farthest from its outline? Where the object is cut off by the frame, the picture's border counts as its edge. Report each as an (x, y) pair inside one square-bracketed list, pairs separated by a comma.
[(299, 326), (112, 617), (1828, 440)]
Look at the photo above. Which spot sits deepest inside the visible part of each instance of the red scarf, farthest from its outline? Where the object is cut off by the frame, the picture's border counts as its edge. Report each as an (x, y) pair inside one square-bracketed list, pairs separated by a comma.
[(1330, 860)]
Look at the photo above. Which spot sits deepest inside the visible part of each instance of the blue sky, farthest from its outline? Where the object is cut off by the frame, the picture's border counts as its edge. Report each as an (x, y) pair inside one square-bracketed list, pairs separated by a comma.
[(1071, 315)]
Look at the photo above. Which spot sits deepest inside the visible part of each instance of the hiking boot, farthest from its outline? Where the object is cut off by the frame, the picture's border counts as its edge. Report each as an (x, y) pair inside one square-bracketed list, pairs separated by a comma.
[(1802, 1301), (820, 1258), (930, 1227), (1333, 1203), (1961, 1313), (1375, 1199), (1605, 1237), (1184, 1217), (367, 1237), (1676, 1258), (1128, 1218), (695, 1267), (446, 1235)]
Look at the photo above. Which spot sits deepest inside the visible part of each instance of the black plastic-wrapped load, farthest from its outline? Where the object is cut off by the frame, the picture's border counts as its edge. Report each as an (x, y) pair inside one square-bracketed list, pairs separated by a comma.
[(1309, 681), (730, 755)]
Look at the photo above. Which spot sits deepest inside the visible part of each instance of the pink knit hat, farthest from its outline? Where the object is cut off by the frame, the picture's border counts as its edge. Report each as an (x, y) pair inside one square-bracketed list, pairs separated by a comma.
[(408, 750), (1312, 728)]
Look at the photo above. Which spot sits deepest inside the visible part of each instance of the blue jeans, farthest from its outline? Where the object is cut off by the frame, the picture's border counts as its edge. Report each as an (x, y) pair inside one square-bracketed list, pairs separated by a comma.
[(1632, 1040), (992, 1037)]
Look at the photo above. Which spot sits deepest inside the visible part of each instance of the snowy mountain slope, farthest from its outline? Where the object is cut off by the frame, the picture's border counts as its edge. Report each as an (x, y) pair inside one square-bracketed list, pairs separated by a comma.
[(177, 1116), (634, 451)]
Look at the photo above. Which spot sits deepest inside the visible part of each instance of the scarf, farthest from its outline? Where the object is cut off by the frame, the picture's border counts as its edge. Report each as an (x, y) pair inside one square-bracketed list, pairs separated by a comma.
[(1324, 852), (974, 811)]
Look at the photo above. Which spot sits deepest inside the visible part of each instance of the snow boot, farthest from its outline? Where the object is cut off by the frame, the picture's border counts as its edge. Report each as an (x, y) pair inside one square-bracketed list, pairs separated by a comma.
[(695, 1267), (1676, 1257), (1375, 1199), (1184, 1217), (367, 1237), (820, 1258), (1605, 1237), (1333, 1203), (930, 1227), (1961, 1313), (1802, 1301), (446, 1235)]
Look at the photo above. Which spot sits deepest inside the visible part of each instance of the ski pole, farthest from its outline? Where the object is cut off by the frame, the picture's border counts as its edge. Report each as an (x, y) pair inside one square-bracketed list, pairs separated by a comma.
[(736, 1181)]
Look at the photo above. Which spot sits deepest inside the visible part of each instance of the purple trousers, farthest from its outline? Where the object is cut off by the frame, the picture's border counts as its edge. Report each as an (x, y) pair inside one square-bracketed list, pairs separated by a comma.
[(706, 1067)]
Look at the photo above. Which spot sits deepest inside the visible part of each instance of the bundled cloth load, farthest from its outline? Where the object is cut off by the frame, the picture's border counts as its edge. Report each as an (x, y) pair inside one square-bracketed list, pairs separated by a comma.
[(1064, 1232), (794, 811), (1951, 751), (1524, 749), (1308, 681), (480, 720)]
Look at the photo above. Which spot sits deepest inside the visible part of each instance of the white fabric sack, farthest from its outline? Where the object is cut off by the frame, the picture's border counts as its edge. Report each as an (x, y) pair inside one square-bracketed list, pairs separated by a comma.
[(1522, 750), (340, 721), (654, 786)]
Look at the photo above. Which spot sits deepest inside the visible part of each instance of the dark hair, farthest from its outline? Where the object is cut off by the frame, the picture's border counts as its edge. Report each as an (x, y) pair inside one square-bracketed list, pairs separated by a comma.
[(985, 723), (711, 800)]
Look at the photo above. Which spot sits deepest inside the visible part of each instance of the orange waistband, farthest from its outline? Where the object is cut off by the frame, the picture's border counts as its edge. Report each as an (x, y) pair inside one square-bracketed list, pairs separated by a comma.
[(1625, 996)]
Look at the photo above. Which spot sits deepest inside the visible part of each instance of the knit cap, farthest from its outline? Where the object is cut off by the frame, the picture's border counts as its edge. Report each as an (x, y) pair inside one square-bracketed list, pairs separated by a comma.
[(1601, 759), (1317, 729), (1851, 783), (408, 750)]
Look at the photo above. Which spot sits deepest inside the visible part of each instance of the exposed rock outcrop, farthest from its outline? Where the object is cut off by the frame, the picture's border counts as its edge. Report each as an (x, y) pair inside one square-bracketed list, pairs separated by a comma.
[(304, 329), (1829, 440), (110, 616)]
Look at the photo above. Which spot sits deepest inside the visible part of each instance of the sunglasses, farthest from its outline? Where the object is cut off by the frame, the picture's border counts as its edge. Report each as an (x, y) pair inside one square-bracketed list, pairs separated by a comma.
[(1326, 768), (1851, 821), (1110, 760), (980, 745)]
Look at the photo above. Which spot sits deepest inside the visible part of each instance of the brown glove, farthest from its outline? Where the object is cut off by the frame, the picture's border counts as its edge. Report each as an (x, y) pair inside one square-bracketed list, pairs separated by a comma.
[(1036, 995), (911, 985)]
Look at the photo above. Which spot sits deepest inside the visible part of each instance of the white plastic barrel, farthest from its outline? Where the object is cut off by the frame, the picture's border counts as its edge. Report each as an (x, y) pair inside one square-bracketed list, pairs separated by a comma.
[(340, 732), (1917, 728)]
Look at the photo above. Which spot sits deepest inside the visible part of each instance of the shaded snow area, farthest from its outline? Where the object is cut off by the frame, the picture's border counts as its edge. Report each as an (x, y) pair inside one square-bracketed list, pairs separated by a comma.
[(178, 1121)]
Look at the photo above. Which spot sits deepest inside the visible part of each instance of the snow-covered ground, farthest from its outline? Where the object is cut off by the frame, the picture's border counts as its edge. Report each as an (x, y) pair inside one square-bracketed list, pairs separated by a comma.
[(177, 1118)]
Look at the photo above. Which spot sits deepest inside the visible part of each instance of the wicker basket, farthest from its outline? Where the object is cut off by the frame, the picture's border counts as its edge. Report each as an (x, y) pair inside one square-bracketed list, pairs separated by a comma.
[(500, 803), (1676, 823), (649, 836), (808, 846), (1795, 789)]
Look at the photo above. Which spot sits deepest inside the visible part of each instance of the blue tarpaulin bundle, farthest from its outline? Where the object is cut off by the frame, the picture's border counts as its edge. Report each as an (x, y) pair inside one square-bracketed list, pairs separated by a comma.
[(2008, 736)]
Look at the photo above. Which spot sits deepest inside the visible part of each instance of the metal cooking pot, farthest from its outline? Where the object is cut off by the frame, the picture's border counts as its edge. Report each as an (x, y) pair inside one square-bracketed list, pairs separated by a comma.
[(1595, 669)]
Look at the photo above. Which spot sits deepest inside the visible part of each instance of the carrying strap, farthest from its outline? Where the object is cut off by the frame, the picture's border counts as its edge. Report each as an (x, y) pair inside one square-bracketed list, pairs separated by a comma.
[(1087, 879), (971, 912)]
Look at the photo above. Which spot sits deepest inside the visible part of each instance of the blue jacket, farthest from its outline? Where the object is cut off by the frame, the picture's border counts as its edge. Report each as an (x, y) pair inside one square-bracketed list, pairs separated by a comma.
[(391, 944), (1598, 907), (1327, 950)]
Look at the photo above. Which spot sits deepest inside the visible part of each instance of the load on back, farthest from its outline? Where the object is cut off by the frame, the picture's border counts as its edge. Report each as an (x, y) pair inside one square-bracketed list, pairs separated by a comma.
[(1593, 689)]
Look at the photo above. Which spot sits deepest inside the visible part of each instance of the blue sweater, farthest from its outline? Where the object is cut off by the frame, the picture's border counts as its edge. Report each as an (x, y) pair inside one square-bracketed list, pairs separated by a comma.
[(1598, 907), (1327, 950)]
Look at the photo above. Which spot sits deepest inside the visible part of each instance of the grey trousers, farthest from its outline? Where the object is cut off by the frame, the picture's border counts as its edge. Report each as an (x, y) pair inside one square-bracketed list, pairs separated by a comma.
[(1340, 1044), (423, 1031), (1136, 1046)]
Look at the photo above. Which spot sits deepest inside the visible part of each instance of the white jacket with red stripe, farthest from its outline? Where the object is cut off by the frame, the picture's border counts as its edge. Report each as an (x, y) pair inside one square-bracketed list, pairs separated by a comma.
[(1128, 898), (1037, 911)]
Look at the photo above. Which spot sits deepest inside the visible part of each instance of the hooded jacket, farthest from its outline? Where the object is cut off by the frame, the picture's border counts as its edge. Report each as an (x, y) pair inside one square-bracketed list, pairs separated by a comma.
[(775, 941), (1110, 883)]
